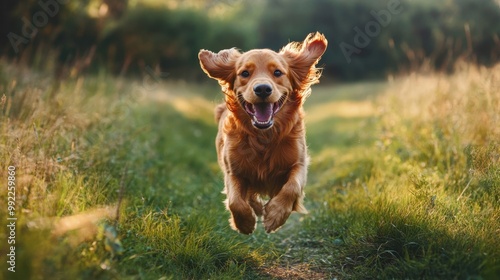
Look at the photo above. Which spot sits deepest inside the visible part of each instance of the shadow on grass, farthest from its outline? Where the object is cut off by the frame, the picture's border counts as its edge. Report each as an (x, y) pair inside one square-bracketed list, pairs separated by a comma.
[(174, 219), (376, 240)]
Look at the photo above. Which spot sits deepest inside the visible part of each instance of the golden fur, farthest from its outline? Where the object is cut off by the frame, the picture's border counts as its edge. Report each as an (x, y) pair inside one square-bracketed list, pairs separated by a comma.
[(261, 144)]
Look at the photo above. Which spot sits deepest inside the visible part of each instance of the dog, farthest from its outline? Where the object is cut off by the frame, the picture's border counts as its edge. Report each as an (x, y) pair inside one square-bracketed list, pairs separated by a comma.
[(261, 145)]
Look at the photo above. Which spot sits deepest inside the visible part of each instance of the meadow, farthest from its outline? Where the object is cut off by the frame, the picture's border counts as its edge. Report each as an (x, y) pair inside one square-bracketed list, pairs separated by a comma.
[(117, 178)]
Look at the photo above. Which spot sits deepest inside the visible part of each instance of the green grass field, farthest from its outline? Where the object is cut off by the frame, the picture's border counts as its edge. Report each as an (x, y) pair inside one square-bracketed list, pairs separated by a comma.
[(117, 180)]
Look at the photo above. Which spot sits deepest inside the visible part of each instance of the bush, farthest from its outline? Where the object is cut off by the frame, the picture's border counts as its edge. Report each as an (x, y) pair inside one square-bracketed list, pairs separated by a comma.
[(435, 33), (438, 32)]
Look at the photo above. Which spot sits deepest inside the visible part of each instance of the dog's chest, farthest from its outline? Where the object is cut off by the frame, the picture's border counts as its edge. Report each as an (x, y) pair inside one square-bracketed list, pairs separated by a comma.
[(263, 158)]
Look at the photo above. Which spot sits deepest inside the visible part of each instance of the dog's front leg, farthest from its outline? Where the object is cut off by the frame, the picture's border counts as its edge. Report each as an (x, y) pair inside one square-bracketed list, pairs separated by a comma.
[(242, 216), (289, 199)]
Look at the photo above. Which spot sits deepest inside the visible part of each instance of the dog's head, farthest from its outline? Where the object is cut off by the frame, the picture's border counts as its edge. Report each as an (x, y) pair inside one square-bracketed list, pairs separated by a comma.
[(261, 82)]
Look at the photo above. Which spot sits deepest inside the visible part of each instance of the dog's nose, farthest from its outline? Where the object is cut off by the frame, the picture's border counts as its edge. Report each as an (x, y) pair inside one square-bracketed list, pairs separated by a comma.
[(262, 90)]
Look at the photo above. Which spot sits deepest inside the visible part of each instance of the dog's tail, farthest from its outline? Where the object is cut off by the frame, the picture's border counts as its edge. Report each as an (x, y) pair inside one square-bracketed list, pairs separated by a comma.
[(219, 110)]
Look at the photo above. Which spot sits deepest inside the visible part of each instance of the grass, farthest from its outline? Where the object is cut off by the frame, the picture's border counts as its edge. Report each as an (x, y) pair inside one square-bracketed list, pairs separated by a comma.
[(115, 180)]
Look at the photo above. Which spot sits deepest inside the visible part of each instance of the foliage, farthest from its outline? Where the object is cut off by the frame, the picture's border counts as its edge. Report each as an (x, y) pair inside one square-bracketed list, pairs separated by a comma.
[(128, 40), (167, 38), (424, 32)]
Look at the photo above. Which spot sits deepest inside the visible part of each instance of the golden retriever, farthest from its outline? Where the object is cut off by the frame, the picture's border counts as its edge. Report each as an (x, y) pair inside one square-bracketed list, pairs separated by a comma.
[(261, 145)]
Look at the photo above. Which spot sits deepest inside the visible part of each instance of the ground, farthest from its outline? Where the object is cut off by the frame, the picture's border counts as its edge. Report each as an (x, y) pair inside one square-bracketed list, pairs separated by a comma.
[(117, 178)]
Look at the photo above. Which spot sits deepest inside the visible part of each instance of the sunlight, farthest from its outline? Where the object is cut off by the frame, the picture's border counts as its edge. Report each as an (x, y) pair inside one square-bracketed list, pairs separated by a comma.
[(342, 109)]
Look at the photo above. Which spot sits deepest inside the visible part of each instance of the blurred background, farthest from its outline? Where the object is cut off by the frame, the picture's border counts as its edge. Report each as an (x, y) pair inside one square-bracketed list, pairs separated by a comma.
[(107, 118), (368, 39)]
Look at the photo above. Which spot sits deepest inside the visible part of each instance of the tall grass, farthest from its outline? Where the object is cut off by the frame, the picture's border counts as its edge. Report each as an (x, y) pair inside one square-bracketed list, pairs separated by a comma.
[(442, 135), (106, 185), (116, 180), (421, 197)]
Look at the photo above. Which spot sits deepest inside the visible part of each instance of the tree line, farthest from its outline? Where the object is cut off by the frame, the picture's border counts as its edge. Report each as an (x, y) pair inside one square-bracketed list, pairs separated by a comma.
[(367, 38)]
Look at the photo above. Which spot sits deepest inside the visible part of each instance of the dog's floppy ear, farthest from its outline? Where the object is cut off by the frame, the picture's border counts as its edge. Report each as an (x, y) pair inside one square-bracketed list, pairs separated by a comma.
[(302, 59), (221, 65)]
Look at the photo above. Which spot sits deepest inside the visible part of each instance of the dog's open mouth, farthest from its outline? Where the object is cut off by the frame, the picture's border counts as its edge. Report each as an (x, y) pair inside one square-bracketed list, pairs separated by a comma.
[(262, 114)]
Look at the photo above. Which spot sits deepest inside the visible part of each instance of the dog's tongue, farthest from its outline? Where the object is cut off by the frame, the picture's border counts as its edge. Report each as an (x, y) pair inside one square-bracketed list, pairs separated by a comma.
[(263, 111)]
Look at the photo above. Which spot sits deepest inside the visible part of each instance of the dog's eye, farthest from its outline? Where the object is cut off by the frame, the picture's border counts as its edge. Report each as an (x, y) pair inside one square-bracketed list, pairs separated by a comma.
[(245, 74), (278, 73)]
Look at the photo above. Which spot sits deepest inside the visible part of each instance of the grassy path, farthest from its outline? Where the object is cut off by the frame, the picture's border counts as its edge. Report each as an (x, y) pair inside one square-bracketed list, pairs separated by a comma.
[(404, 182)]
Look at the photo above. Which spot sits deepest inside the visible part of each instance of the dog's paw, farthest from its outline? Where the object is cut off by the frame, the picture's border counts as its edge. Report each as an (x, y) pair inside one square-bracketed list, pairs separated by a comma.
[(275, 215), (243, 221)]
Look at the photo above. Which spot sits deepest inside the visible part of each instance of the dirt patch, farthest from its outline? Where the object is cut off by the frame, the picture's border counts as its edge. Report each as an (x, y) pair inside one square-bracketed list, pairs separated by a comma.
[(301, 271)]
